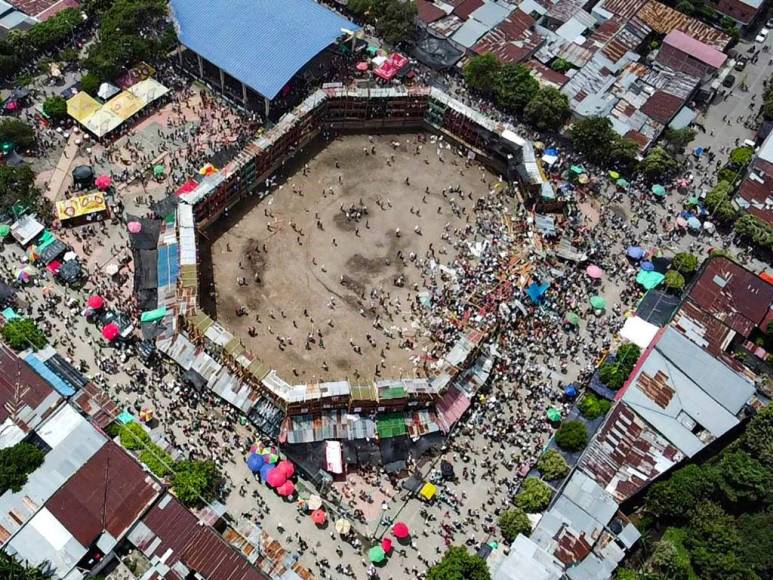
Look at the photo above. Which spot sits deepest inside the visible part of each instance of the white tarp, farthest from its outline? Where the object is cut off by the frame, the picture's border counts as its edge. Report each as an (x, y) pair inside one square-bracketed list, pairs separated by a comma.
[(638, 331)]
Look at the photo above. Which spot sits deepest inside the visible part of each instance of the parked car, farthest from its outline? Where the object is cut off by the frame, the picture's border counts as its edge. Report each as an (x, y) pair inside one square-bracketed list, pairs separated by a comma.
[(741, 63), (769, 23), (762, 35), (729, 81)]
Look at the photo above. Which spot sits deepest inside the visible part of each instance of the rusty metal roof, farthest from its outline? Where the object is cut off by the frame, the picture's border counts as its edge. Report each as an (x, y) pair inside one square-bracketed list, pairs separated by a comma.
[(624, 9), (664, 19), (108, 494), (662, 106), (513, 40)]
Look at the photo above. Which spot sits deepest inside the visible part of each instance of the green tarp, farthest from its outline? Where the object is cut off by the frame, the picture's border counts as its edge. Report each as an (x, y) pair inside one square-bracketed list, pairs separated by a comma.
[(649, 279), (577, 169), (46, 239), (153, 315)]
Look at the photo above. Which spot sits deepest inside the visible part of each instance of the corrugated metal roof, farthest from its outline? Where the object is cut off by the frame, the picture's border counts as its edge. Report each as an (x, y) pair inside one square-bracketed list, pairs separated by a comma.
[(695, 48), (265, 42), (469, 33), (664, 19), (513, 40)]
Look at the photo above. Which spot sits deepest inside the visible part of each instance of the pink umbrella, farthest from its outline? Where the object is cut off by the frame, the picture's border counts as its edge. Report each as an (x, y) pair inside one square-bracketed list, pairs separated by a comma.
[(111, 331), (318, 517), (286, 467), (276, 478), (286, 489), (134, 227), (95, 302), (681, 222), (594, 272), (103, 182), (400, 530), (362, 66), (11, 105), (386, 545)]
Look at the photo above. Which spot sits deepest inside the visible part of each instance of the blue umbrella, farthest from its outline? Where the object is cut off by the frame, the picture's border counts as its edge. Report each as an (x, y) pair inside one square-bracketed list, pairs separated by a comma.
[(635, 252), (255, 462), (570, 391), (265, 470), (694, 223), (648, 266)]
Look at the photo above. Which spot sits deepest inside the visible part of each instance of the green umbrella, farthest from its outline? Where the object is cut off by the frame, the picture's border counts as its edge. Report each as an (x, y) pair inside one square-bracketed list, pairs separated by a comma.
[(577, 169), (622, 183), (5, 229), (553, 414), (158, 170), (376, 554), (598, 302), (693, 201), (649, 279), (658, 190), (572, 318), (7, 147)]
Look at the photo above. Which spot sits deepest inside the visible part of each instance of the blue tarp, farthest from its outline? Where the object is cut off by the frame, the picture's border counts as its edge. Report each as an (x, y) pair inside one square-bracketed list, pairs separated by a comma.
[(40, 367), (9, 314), (535, 291), (261, 43)]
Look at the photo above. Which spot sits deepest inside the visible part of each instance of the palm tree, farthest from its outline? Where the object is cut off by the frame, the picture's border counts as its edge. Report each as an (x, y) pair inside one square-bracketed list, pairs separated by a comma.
[(12, 569)]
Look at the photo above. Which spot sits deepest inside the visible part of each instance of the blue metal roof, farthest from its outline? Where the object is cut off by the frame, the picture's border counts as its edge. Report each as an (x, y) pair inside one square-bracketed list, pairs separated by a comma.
[(53, 379), (262, 43)]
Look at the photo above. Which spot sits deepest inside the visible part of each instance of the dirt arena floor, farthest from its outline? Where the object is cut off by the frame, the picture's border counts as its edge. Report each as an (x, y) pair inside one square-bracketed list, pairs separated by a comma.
[(317, 287)]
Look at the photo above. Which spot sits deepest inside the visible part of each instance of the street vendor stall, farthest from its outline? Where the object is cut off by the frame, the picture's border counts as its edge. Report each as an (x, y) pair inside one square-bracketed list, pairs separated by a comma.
[(428, 491), (90, 206), (391, 67)]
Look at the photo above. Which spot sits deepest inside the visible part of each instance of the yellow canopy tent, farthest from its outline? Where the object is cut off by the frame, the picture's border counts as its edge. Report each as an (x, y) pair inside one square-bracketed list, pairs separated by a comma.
[(82, 106), (428, 491)]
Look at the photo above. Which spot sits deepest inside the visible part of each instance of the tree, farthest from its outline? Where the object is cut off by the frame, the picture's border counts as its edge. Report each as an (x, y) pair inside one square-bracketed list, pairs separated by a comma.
[(53, 31), (90, 84), (157, 460), (397, 21), (572, 436), (678, 139), (713, 542), (133, 436), (685, 6), (195, 482), (593, 137), (685, 263), (758, 438), (513, 522), (16, 463), (674, 281), (18, 132), (614, 373), (742, 479), (657, 164), (23, 333), (514, 88), (9, 60), (13, 569), (756, 533), (676, 497), (592, 406), (17, 184), (534, 495), (623, 154), (666, 562), (741, 156), (459, 564), (718, 202), (561, 65), (552, 465), (548, 110), (481, 72), (55, 107), (751, 227)]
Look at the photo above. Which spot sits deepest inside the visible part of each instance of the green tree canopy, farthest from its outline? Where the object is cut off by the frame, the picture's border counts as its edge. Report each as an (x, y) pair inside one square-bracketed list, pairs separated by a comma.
[(592, 406), (552, 465), (481, 73), (393, 19), (514, 88), (593, 137), (623, 154), (758, 438), (572, 436), (674, 281), (742, 156), (756, 532), (90, 84), (16, 463), (677, 496), (718, 202), (548, 110), (513, 522), (459, 564), (714, 543), (195, 481), (678, 139), (657, 164), (667, 562), (13, 569), (534, 495), (18, 132), (17, 184), (23, 333), (55, 107), (752, 228), (743, 480), (685, 263)]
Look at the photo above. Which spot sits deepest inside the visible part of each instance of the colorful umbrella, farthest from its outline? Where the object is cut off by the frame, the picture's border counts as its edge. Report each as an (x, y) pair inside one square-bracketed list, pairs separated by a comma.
[(95, 302), (376, 554), (572, 318), (570, 391), (362, 66), (386, 545), (622, 183), (158, 170), (681, 222), (614, 175), (583, 178), (111, 331), (286, 467), (286, 489), (5, 229), (265, 470), (594, 272), (400, 530), (208, 169), (598, 302), (103, 182), (319, 517), (255, 462), (276, 477), (649, 280), (693, 223), (134, 227), (553, 414), (635, 252), (315, 502), (343, 526), (647, 266), (578, 169), (658, 190), (693, 200)]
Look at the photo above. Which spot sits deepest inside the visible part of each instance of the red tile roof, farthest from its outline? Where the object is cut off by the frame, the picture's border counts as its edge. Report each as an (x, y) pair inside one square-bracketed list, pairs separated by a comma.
[(467, 7), (109, 493), (639, 138), (428, 12), (198, 547), (695, 48), (662, 106), (36, 7)]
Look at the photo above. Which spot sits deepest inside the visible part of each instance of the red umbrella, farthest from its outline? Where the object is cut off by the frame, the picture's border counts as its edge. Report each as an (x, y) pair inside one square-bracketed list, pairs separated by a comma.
[(386, 545), (286, 467), (103, 182), (111, 331), (318, 517), (286, 489), (362, 66), (95, 302), (400, 530), (276, 477)]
